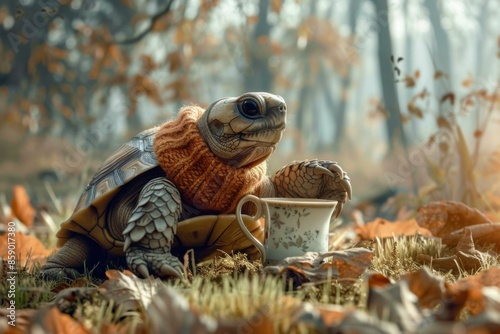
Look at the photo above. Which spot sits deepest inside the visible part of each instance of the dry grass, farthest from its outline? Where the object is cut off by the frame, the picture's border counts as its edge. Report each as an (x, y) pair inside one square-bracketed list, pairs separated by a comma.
[(396, 256)]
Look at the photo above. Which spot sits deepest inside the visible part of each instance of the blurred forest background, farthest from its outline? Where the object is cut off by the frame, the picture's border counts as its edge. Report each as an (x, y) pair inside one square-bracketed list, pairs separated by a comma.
[(403, 94)]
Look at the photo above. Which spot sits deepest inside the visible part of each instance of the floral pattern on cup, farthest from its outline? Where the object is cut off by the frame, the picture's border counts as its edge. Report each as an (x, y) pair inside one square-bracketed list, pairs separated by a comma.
[(292, 238)]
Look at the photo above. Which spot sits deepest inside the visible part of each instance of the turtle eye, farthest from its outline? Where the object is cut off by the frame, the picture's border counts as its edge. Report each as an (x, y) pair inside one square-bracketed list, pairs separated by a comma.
[(250, 108)]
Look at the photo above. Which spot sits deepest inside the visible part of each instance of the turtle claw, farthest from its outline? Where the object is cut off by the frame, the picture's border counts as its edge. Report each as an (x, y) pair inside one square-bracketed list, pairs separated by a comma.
[(346, 184), (338, 210), (159, 262), (336, 169), (143, 270), (322, 170), (167, 270)]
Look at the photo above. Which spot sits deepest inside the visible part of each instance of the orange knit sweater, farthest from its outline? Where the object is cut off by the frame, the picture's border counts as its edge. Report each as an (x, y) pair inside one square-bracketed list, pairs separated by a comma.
[(203, 179)]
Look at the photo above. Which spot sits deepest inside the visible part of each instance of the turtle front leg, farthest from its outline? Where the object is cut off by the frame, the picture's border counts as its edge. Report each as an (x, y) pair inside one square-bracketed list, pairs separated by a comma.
[(151, 229), (314, 179)]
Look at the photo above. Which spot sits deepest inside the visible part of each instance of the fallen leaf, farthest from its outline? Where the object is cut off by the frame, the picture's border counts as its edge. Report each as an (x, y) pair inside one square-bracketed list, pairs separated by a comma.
[(448, 263), (492, 298), (395, 303), (331, 314), (377, 280), (486, 322), (466, 258), (442, 218), (129, 291), (28, 250), (428, 288), (382, 228), (350, 263), (472, 287), (53, 321), (488, 277), (21, 206), (170, 312), (319, 316), (362, 322), (483, 235)]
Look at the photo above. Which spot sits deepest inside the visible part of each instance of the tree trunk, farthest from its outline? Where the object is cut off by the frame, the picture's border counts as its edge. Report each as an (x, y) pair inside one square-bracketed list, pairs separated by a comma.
[(258, 75), (394, 126), (345, 82), (441, 56)]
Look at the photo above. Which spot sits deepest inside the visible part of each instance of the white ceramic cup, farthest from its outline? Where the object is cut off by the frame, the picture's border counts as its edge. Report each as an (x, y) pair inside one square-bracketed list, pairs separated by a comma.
[(293, 226)]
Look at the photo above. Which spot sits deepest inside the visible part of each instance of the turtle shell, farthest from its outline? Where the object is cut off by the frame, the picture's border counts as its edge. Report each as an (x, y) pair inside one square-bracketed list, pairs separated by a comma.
[(131, 160), (135, 163)]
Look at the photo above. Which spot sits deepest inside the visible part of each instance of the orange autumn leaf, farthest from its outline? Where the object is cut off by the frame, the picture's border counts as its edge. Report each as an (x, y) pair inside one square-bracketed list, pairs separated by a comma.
[(377, 280), (349, 263), (331, 314), (472, 286), (25, 247), (429, 288), (488, 277), (394, 303), (21, 206), (442, 218), (483, 235), (383, 228), (466, 258), (57, 322)]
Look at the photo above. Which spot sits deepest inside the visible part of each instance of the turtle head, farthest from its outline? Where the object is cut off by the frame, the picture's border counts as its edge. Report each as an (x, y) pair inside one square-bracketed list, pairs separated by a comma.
[(243, 131)]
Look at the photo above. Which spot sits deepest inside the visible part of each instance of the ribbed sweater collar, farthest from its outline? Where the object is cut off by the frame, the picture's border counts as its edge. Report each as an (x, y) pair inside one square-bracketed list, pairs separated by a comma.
[(203, 179)]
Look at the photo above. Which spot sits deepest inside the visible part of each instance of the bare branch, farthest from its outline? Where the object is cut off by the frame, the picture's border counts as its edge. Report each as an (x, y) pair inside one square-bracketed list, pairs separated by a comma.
[(155, 18)]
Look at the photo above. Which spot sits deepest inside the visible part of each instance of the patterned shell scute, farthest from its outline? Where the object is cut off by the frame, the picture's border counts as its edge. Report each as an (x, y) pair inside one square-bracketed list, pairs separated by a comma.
[(131, 159)]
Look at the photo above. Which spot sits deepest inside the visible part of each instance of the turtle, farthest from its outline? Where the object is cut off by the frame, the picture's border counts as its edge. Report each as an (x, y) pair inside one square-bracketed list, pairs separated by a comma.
[(175, 186)]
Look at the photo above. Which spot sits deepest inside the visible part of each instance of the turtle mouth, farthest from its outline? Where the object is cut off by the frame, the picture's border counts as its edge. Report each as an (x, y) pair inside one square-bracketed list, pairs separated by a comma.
[(269, 137)]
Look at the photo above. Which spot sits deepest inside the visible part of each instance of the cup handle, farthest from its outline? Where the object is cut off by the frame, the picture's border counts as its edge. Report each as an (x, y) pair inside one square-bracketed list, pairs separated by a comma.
[(256, 201)]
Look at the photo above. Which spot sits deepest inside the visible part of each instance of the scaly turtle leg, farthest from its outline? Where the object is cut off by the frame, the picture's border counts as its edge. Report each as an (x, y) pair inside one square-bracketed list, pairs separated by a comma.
[(69, 261), (151, 229), (314, 179)]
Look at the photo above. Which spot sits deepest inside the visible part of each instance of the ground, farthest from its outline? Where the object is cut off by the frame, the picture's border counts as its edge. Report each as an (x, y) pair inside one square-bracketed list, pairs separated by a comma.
[(439, 270)]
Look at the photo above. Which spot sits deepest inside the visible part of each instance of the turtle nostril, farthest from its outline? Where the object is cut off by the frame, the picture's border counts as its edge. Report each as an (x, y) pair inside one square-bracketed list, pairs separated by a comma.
[(282, 107)]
